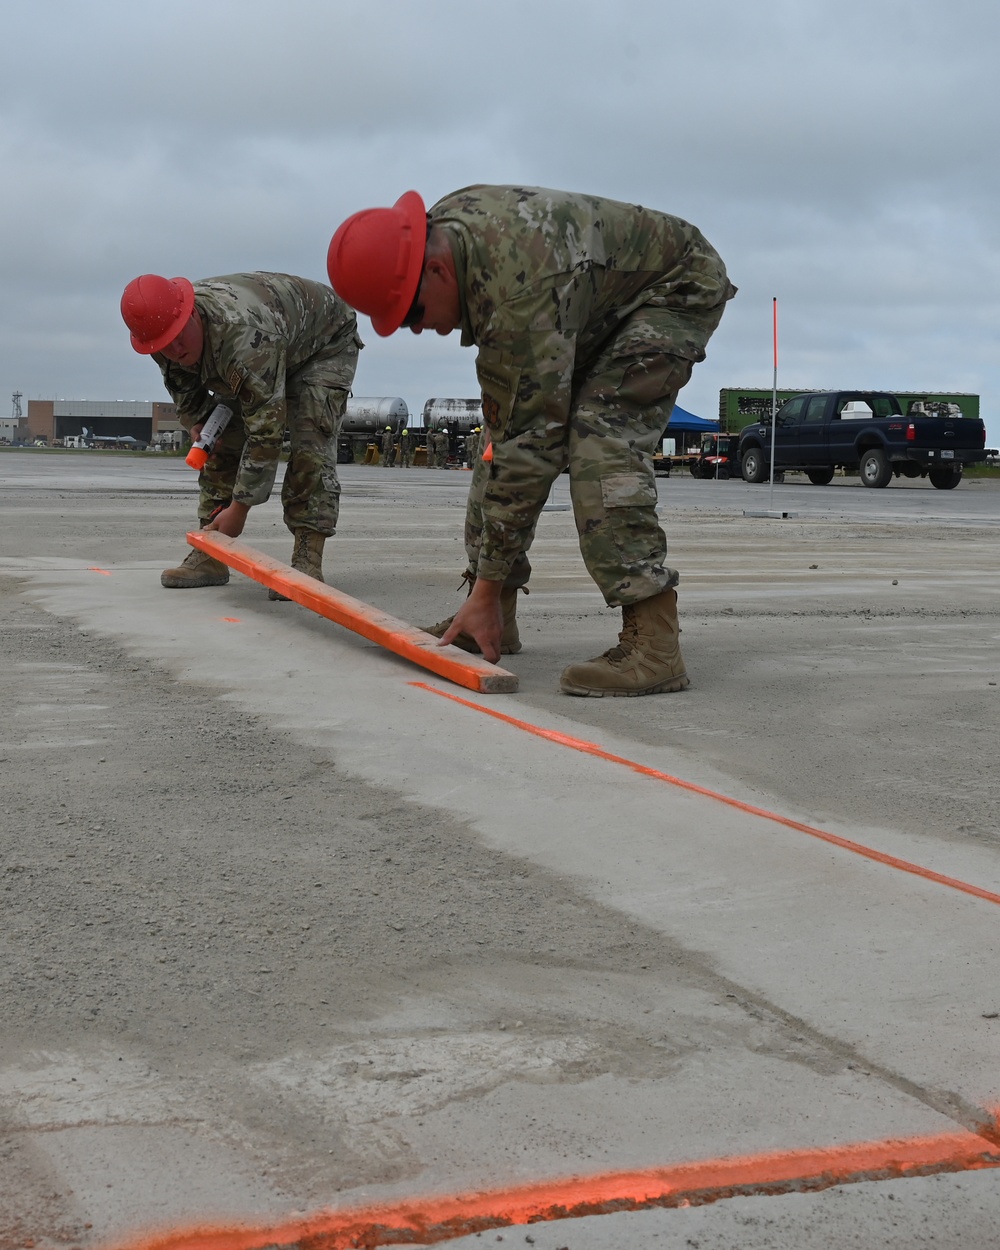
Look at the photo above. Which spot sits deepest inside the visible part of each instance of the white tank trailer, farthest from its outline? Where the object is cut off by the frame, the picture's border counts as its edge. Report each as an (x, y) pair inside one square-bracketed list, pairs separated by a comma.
[(365, 421), (459, 415)]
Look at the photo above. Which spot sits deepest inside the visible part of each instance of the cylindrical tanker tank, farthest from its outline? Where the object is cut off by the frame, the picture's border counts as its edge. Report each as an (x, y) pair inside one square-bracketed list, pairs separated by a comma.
[(458, 416), (372, 415), (364, 424)]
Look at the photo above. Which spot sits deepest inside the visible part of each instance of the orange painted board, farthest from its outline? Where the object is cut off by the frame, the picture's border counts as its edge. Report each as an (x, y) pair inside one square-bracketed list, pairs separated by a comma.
[(470, 671)]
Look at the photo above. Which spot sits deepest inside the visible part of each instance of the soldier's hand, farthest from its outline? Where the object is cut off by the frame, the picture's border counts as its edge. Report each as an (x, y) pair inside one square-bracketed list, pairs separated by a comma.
[(230, 521), (482, 617)]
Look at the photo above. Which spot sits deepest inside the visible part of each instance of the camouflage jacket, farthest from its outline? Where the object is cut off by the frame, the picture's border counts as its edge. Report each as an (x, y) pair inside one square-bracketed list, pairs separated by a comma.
[(546, 278), (259, 328)]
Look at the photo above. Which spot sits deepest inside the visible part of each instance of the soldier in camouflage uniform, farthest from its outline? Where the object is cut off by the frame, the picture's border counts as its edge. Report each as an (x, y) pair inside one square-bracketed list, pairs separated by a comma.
[(405, 449), (388, 446), (442, 447), (471, 448), (589, 315), (280, 352)]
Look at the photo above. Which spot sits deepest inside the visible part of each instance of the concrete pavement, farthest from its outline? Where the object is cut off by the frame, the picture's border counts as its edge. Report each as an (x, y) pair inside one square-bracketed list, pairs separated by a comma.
[(604, 970)]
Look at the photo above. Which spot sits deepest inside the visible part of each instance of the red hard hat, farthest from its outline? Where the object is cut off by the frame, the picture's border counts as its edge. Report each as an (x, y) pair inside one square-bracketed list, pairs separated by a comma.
[(156, 310), (376, 258)]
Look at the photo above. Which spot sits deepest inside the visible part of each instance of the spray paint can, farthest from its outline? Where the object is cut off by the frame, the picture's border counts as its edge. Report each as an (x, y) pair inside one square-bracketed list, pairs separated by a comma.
[(211, 432)]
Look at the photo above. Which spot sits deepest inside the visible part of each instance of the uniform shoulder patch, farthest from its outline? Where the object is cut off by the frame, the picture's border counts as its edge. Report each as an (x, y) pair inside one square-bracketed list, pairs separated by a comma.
[(236, 377)]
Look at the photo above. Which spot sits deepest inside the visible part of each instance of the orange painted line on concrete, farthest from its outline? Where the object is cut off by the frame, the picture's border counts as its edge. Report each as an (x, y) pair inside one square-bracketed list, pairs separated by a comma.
[(470, 671), (429, 1220), (94, 569), (591, 748), (231, 620)]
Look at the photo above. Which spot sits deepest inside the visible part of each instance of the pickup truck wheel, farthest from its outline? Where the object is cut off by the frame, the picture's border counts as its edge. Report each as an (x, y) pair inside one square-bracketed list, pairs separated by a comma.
[(875, 470), (753, 466), (944, 477), (820, 477)]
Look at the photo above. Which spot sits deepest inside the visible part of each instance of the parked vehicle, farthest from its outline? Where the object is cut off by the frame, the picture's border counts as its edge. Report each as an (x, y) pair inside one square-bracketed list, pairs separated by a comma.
[(866, 432), (717, 457)]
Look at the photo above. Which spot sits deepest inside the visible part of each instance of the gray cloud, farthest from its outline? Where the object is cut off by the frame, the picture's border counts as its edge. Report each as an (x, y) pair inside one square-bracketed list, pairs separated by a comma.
[(840, 156)]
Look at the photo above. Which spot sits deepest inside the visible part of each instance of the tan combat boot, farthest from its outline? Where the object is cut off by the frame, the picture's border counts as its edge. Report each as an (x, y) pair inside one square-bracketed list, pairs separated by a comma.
[(196, 569), (307, 557), (510, 639), (647, 659)]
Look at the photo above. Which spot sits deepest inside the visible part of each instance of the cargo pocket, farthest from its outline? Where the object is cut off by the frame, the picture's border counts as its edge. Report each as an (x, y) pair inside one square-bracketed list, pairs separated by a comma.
[(498, 380), (627, 490), (629, 501)]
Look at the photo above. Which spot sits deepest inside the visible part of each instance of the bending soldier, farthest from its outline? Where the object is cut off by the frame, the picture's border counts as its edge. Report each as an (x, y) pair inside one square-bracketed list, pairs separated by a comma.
[(278, 351), (589, 315)]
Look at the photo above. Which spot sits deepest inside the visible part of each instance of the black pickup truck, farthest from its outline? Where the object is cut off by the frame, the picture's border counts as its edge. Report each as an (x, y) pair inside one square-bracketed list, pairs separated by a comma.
[(864, 431)]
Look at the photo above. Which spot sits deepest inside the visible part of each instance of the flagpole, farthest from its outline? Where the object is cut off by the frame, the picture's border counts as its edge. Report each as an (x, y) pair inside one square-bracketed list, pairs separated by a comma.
[(774, 397)]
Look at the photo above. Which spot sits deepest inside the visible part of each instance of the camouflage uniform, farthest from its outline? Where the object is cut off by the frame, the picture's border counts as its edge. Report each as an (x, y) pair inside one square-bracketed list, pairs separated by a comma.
[(589, 315), (280, 351), (405, 449), (442, 445), (388, 443), (470, 451)]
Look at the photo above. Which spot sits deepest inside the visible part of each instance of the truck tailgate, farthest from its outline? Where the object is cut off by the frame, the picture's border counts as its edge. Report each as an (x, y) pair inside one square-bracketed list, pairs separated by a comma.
[(959, 433)]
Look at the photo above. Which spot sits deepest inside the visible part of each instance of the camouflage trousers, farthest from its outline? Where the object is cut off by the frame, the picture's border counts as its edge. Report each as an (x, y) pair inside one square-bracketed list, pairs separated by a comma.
[(315, 402), (621, 405)]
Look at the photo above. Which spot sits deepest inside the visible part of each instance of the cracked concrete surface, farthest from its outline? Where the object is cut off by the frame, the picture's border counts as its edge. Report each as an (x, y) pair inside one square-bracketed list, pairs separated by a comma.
[(282, 930)]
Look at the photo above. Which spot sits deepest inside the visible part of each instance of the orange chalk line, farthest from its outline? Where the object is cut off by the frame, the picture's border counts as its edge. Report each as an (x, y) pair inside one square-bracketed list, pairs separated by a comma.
[(435, 1219), (421, 648), (591, 748), (94, 569)]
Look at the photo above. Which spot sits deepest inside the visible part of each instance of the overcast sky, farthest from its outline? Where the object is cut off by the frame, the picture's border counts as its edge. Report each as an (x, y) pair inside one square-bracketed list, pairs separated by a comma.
[(841, 156)]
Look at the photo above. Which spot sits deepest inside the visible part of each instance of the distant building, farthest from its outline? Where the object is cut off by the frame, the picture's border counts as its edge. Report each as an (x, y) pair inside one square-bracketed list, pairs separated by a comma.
[(146, 421)]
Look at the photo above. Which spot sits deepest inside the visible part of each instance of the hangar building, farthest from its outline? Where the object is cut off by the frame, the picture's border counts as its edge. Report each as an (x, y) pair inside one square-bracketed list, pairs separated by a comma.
[(146, 421)]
